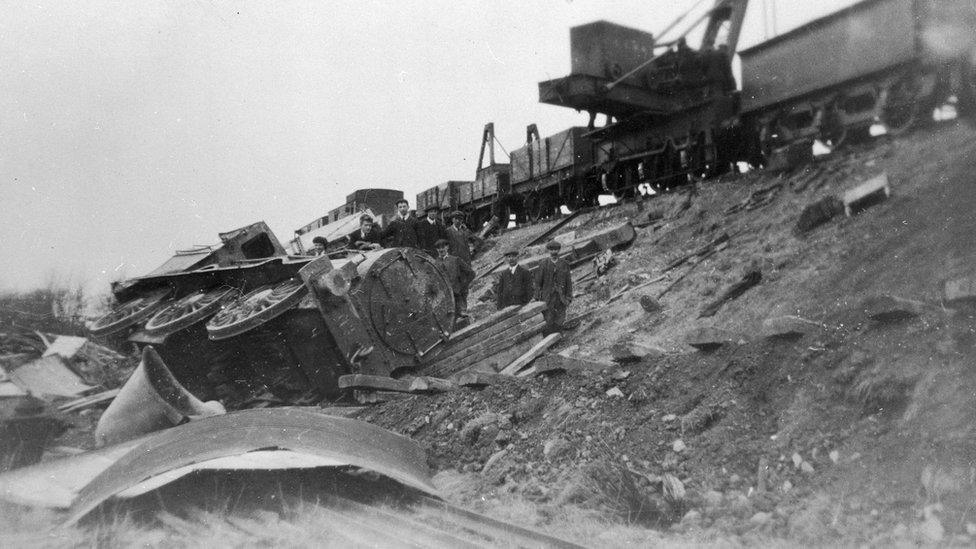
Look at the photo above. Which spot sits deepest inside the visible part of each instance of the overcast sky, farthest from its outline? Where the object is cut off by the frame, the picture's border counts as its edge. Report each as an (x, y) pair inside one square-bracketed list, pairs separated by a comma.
[(131, 129)]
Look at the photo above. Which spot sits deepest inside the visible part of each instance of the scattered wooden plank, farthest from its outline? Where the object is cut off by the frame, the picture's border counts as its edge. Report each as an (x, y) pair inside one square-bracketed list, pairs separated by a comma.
[(487, 349), (750, 279), (872, 190), (376, 397), (476, 327), (547, 364), (887, 308), (523, 314), (382, 383), (531, 354), (493, 336), (498, 361), (427, 384), (476, 379), (88, 401)]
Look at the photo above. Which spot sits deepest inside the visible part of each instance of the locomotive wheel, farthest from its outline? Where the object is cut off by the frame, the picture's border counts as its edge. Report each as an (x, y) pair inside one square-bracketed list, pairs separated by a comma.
[(187, 311), (902, 107), (128, 314), (255, 308)]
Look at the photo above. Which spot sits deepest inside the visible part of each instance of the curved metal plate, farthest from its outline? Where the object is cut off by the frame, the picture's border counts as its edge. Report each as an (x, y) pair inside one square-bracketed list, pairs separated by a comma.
[(298, 430)]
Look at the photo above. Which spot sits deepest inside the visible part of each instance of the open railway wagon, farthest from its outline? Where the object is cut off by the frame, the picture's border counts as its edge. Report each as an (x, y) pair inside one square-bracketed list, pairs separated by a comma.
[(282, 329), (675, 114), (879, 61)]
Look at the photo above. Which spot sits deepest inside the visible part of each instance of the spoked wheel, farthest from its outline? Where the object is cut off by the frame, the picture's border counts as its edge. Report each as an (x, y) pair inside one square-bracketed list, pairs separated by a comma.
[(128, 314), (902, 107), (255, 308), (188, 310)]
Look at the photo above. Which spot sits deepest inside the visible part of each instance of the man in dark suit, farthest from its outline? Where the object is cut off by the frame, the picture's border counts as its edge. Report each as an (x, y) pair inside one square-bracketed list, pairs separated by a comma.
[(367, 236), (401, 232), (459, 276), (554, 285), (429, 231), (460, 238), (514, 286)]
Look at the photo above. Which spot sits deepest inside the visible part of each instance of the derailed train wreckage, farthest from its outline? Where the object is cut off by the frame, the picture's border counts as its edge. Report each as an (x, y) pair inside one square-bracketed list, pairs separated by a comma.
[(248, 325), (244, 327)]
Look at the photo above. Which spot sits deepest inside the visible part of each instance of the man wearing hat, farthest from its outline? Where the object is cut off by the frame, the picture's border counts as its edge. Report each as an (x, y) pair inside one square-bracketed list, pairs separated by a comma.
[(554, 285), (429, 231), (459, 237), (459, 275), (319, 244), (514, 286)]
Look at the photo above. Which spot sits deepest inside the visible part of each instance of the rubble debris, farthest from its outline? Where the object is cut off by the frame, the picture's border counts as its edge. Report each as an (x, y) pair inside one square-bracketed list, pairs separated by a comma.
[(626, 353), (531, 354), (708, 339), (477, 379), (555, 447), (887, 308), (756, 199), (255, 439), (365, 397), (817, 214), (678, 446), (427, 384), (750, 279), (603, 261), (866, 194), (49, 377), (788, 327), (960, 291), (66, 346), (26, 426), (547, 364), (88, 401), (649, 304), (484, 428), (615, 392)]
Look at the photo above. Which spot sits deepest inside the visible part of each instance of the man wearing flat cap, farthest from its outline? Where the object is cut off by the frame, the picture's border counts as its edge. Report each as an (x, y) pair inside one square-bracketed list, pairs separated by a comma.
[(514, 286), (554, 285), (460, 238), (459, 276)]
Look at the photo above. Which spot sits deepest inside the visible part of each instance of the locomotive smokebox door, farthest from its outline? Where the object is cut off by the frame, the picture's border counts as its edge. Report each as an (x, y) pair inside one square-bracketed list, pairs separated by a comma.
[(397, 307), (410, 304)]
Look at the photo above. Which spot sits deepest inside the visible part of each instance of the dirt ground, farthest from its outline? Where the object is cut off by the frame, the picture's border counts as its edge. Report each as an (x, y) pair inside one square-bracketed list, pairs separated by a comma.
[(860, 431)]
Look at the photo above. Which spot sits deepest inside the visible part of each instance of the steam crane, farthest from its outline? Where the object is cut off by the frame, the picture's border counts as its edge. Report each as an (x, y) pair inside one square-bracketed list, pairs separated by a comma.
[(671, 109)]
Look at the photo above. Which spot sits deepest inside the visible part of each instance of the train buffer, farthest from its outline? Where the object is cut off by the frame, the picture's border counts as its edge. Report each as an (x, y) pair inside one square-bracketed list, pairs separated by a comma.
[(866, 194)]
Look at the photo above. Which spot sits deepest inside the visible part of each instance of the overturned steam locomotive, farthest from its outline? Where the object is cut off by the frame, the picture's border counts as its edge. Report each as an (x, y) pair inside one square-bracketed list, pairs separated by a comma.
[(243, 322)]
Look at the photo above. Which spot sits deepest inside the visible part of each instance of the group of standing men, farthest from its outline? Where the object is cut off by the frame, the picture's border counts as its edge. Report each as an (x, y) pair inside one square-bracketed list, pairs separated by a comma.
[(552, 283), (451, 247)]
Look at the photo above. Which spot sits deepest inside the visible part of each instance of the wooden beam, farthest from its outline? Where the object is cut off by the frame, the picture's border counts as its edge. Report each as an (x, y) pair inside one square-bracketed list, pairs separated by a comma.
[(488, 349), (427, 384), (382, 383), (531, 354)]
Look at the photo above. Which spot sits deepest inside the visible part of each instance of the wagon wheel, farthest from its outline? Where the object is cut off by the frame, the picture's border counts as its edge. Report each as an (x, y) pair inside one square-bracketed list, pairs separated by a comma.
[(255, 308), (833, 131), (901, 107), (128, 314), (187, 311)]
